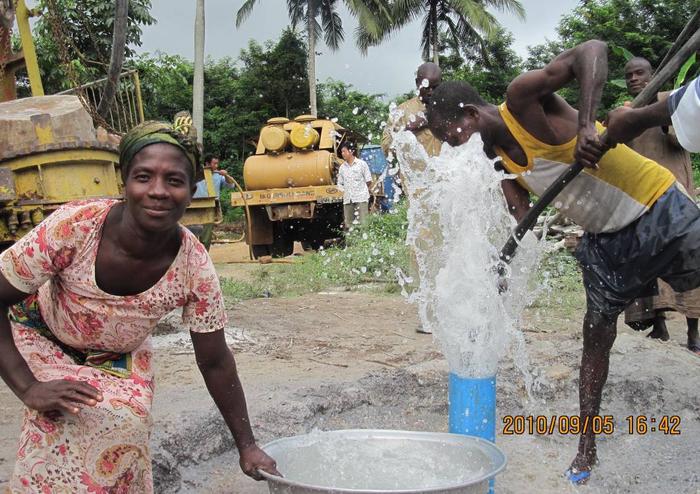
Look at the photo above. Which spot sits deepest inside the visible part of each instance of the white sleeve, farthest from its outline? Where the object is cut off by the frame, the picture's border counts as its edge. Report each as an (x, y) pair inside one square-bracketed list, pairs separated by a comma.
[(368, 175), (684, 107), (341, 178)]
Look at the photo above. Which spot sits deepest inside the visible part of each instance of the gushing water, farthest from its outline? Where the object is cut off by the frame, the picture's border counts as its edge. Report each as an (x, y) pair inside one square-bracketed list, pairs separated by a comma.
[(458, 221)]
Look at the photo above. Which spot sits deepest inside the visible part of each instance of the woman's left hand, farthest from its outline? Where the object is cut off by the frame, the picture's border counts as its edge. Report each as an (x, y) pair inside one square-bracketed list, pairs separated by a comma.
[(253, 459)]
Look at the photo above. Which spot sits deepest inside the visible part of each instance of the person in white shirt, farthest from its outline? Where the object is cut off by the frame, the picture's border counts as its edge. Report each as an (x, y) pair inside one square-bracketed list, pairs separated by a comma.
[(355, 179)]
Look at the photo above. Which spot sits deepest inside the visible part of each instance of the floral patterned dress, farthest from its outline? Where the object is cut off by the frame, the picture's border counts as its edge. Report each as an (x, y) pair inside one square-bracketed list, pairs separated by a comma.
[(102, 449)]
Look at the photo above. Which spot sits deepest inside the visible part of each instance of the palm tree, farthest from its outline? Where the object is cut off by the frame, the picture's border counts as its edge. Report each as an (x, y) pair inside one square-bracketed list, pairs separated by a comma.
[(370, 14), (464, 21), (198, 81), (121, 20)]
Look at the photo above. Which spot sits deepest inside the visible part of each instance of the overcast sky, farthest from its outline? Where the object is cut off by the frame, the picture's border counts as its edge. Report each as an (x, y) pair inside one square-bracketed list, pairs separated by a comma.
[(389, 68)]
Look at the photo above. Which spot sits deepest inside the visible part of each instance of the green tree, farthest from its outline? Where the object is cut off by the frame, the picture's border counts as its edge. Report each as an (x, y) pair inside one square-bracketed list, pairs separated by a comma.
[(369, 13), (488, 70), (645, 28), (84, 28), (166, 84), (263, 82), (465, 22), (360, 112)]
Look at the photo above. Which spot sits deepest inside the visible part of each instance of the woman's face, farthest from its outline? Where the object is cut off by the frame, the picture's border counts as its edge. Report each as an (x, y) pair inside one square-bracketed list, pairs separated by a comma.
[(158, 188)]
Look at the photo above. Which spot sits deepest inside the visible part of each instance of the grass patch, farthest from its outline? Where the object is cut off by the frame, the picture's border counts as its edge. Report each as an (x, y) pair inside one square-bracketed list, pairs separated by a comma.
[(371, 255), (562, 290)]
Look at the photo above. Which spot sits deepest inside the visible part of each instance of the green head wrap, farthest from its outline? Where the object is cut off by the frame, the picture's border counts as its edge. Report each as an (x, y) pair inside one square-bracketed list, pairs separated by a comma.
[(149, 133)]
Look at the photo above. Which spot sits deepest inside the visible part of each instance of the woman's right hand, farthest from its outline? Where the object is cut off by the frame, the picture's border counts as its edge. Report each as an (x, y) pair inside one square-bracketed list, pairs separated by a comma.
[(62, 395)]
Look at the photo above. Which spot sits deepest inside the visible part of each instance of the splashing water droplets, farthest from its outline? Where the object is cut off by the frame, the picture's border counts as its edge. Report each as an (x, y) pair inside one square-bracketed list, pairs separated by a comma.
[(456, 245)]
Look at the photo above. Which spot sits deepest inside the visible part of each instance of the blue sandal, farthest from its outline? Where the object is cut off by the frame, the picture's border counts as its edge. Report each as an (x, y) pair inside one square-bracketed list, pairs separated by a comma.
[(576, 476)]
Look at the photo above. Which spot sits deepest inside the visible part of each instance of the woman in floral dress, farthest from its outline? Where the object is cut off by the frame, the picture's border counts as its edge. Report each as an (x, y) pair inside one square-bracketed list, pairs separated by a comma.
[(84, 290)]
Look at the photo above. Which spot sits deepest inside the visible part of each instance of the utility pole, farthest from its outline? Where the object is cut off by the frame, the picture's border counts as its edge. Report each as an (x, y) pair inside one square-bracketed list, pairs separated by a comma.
[(198, 83)]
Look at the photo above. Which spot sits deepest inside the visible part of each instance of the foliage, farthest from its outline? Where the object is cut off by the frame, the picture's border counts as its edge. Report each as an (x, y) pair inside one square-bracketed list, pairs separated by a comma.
[(372, 254), (645, 28), (559, 277), (87, 25), (266, 81), (464, 22), (360, 112), (696, 168), (166, 84), (685, 70), (488, 70), (306, 12)]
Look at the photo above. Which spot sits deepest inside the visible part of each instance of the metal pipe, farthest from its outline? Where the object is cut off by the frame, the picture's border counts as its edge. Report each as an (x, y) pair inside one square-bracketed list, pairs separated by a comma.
[(137, 90), (28, 49)]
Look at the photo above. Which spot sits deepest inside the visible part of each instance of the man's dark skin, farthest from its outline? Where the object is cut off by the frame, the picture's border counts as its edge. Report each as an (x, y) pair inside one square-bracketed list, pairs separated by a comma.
[(532, 99), (141, 238), (638, 73), (430, 73)]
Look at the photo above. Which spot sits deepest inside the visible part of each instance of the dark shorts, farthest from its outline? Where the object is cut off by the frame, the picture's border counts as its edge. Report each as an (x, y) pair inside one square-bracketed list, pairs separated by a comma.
[(663, 243)]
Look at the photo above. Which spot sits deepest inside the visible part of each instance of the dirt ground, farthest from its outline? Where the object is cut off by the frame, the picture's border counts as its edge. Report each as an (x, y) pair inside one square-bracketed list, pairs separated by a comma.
[(352, 359)]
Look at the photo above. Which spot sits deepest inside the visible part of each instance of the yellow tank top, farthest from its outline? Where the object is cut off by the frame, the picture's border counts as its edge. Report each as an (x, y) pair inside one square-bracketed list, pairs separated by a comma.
[(623, 188)]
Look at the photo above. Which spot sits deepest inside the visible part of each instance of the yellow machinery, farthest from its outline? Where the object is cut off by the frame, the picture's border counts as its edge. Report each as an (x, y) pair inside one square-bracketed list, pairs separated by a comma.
[(290, 185), (50, 151)]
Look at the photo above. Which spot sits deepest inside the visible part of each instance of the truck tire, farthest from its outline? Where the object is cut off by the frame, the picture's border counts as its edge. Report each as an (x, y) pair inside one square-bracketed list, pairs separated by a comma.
[(260, 251), (282, 243)]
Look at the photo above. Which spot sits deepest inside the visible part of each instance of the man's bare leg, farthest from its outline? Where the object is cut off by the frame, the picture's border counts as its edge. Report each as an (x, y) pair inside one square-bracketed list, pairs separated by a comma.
[(660, 331), (599, 334), (693, 336)]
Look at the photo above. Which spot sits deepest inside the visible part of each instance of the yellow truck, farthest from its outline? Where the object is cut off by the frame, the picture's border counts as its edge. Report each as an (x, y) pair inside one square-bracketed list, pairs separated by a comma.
[(290, 185)]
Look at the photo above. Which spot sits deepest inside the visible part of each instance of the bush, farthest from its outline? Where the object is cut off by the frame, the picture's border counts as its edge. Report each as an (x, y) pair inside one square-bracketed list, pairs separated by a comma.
[(371, 254)]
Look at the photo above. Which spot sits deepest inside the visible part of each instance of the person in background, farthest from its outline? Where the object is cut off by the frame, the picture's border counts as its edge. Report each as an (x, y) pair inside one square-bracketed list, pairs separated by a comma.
[(411, 113), (661, 145), (355, 179), (681, 109), (220, 178)]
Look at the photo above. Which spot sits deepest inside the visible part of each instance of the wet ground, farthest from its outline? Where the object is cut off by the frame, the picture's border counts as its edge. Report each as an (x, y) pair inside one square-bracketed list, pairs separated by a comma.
[(351, 359)]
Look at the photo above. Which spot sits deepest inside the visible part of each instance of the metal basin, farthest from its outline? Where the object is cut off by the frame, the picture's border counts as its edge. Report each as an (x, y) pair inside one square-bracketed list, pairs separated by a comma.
[(382, 462)]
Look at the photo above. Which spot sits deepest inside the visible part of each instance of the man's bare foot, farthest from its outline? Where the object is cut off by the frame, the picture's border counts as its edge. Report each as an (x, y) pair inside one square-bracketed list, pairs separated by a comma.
[(580, 470), (693, 336), (660, 331)]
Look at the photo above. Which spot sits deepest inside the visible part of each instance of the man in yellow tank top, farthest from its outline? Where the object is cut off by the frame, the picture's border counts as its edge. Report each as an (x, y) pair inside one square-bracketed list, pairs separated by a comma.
[(639, 225)]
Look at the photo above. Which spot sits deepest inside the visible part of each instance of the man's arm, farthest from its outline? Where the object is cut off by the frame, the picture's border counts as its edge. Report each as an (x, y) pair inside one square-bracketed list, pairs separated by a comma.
[(625, 123), (517, 198), (340, 181), (368, 176), (588, 64), (229, 182)]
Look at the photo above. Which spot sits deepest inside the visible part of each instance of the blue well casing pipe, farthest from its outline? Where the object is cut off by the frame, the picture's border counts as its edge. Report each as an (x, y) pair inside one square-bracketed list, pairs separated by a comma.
[(472, 406)]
